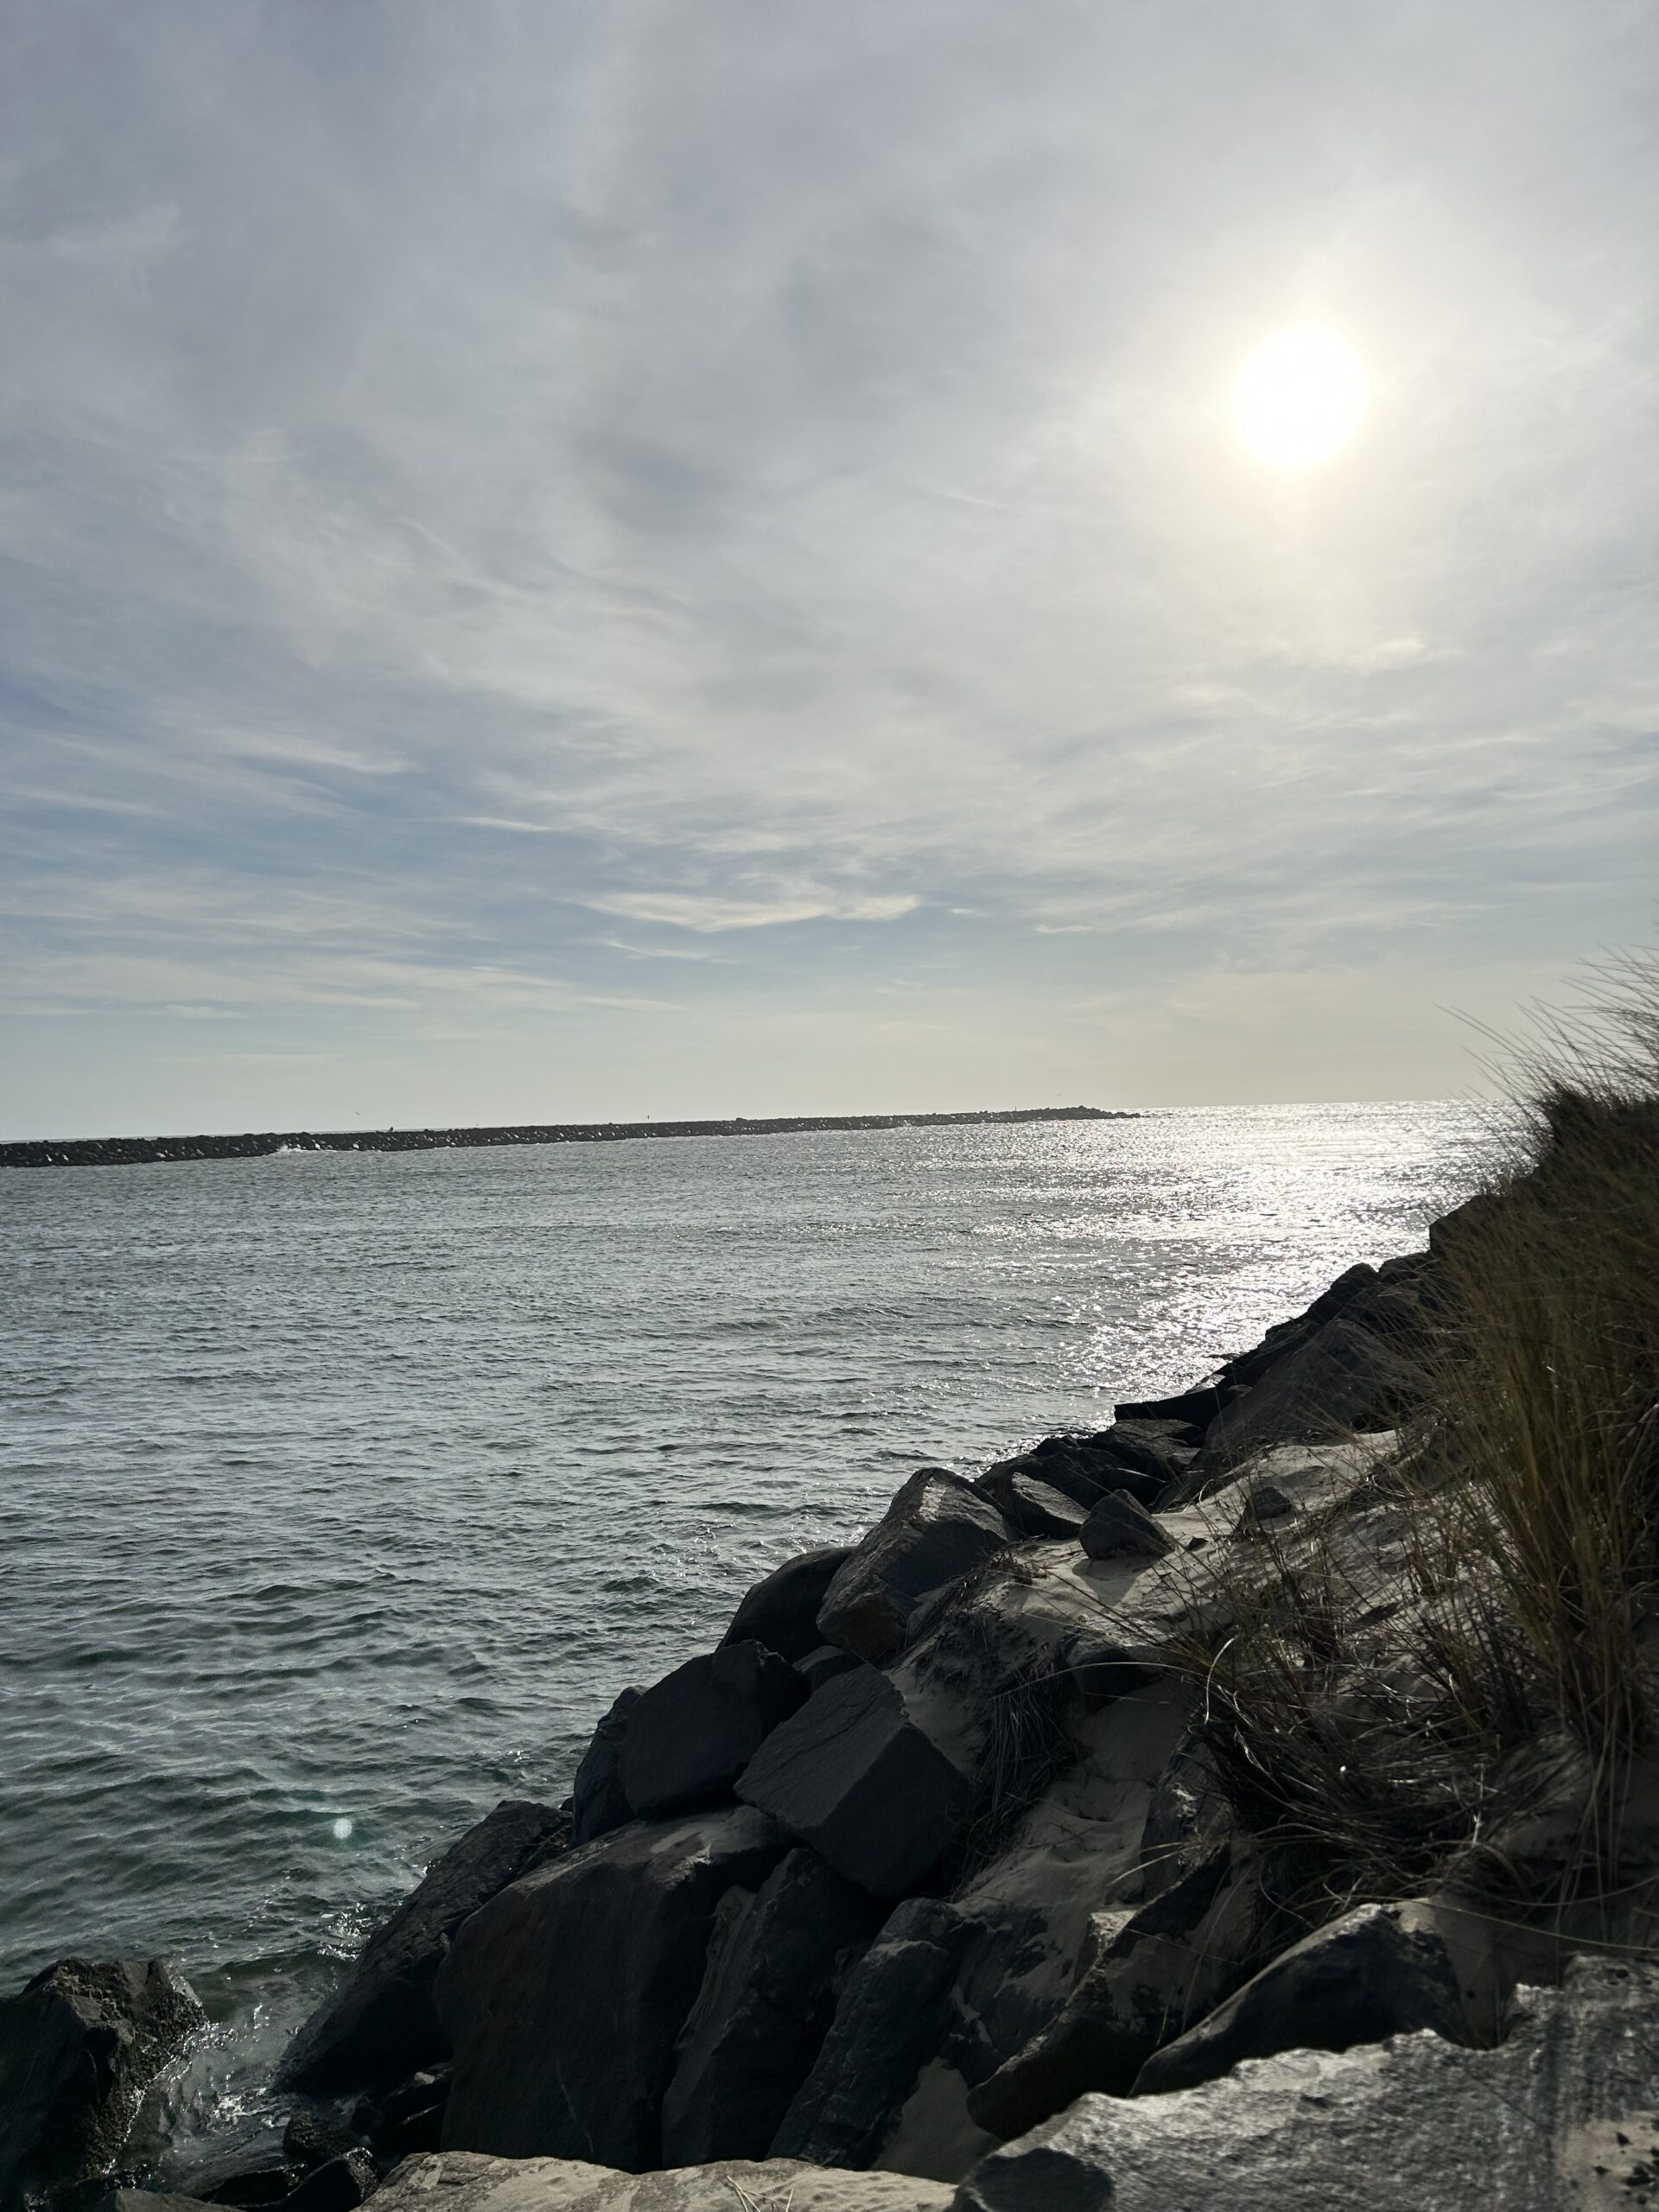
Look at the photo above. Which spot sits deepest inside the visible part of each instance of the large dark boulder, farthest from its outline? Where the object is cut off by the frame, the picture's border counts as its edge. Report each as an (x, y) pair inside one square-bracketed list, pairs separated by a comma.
[(1119, 1525), (691, 1735), (1061, 1463), (1032, 1508), (938, 1529), (1343, 1378), (1195, 1409), (854, 1775), (1161, 1450), (775, 1969), (598, 1803), (891, 2019), (781, 1611), (381, 2024), (78, 2045), (1378, 1971), (565, 1995)]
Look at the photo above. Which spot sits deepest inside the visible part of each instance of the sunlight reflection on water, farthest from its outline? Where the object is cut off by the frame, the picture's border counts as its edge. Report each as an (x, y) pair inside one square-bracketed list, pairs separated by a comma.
[(368, 1479)]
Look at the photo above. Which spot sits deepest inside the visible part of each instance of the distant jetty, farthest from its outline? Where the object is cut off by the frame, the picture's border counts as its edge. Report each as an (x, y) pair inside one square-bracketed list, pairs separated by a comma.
[(139, 1152)]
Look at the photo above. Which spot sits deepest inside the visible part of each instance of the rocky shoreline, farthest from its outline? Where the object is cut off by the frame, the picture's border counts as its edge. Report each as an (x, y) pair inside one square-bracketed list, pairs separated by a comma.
[(140, 1152), (952, 1876)]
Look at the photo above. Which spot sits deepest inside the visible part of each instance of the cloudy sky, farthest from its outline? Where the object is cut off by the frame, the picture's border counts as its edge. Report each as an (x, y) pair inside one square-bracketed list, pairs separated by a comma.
[(571, 557)]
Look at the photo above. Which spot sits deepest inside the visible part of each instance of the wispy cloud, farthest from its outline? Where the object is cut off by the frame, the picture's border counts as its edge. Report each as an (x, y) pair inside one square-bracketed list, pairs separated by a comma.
[(780, 493)]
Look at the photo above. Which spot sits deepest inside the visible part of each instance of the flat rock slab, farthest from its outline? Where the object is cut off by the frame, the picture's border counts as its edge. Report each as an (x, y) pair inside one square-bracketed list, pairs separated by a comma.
[(1559, 2118), (689, 1736), (1031, 1507), (460, 2181), (381, 2024), (565, 1995)]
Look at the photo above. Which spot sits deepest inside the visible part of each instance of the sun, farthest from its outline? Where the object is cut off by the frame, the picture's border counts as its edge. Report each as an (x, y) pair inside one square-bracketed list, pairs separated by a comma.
[(1300, 397)]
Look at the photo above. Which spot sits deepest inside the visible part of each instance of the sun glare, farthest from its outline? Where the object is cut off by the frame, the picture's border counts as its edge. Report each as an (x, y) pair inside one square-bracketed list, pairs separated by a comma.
[(1300, 397)]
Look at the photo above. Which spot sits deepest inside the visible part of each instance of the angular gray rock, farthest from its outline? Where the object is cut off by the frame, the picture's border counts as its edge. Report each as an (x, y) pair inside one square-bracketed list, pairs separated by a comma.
[(938, 1529), (597, 1802), (892, 2017), (78, 2045), (775, 1970), (381, 2024), (1032, 1508), (1379, 1971), (689, 1736), (460, 2181), (855, 1775), (1119, 1525), (781, 1610), (564, 1996), (1561, 2117)]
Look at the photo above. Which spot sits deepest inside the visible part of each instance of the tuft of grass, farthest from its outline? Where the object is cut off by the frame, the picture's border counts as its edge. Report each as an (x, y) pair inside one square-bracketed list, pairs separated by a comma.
[(1526, 1567)]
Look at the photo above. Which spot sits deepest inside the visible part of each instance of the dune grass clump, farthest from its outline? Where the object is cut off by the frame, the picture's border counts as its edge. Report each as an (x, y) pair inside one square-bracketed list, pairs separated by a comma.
[(1373, 1737)]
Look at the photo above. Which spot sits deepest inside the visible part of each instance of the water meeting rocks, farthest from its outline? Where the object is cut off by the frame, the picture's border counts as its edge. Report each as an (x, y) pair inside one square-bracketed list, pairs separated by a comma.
[(564, 1996), (381, 2024), (690, 1737), (856, 1777), (598, 1801), (938, 1529), (78, 2045)]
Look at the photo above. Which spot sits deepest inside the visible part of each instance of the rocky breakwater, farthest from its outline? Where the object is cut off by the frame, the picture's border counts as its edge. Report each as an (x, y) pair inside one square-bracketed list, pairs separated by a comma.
[(969, 1867)]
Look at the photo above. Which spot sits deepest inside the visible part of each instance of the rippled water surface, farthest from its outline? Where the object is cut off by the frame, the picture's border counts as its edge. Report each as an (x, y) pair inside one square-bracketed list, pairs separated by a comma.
[(340, 1493)]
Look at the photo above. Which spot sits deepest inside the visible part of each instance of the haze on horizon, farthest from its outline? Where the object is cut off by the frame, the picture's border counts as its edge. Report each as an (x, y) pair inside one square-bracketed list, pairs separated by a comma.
[(678, 558)]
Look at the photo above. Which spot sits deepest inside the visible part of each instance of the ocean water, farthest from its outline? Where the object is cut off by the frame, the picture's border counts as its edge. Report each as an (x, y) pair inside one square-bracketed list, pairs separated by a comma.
[(340, 1492)]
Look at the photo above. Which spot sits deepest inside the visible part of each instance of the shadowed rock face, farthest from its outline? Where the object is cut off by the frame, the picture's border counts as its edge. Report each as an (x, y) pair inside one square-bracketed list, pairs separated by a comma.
[(781, 1610), (597, 1802), (689, 1736), (564, 1996), (1377, 1973), (1562, 2116), (938, 1530), (855, 1775), (78, 2045), (775, 1969), (888, 2023), (381, 2024)]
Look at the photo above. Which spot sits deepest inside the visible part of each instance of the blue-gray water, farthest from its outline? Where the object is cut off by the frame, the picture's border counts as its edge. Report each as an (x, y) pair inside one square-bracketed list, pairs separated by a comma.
[(339, 1492)]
